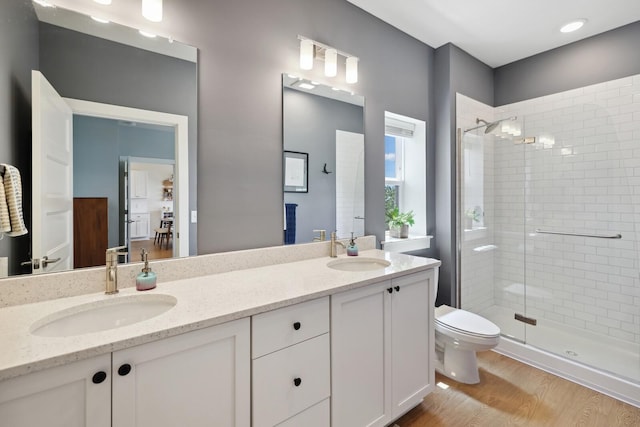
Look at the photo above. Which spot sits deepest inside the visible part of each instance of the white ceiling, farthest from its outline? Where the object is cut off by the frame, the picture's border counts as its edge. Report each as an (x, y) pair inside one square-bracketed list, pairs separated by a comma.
[(498, 32)]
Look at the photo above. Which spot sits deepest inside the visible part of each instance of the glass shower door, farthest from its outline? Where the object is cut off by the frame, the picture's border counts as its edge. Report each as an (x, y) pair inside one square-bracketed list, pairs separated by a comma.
[(491, 227)]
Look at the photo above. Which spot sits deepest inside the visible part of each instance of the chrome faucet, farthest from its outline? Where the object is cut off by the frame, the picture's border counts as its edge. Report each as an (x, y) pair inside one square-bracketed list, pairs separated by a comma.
[(334, 245), (112, 268)]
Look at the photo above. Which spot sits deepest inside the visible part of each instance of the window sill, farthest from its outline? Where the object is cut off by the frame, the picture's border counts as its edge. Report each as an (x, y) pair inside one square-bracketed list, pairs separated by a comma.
[(411, 243)]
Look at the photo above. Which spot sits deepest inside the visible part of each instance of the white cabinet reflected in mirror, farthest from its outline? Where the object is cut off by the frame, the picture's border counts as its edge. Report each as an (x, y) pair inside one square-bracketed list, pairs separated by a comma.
[(122, 89), (327, 125)]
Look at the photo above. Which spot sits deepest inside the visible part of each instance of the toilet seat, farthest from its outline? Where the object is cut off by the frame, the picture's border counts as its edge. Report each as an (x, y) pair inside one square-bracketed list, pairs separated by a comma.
[(465, 323)]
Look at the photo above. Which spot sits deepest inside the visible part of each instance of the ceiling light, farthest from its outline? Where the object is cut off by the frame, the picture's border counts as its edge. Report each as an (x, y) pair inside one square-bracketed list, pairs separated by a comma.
[(352, 69), (100, 20), (573, 26), (306, 54), (105, 2), (307, 86), (331, 62), (152, 10), (147, 34)]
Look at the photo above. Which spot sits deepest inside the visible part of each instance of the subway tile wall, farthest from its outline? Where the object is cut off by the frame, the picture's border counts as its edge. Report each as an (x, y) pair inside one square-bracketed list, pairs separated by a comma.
[(581, 175)]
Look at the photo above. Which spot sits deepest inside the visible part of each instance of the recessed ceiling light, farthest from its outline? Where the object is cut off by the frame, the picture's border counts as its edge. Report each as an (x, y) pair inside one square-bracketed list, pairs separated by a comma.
[(105, 2), (573, 26)]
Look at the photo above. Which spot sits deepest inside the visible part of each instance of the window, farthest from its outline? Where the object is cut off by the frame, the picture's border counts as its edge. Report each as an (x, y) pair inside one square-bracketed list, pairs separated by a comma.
[(405, 168)]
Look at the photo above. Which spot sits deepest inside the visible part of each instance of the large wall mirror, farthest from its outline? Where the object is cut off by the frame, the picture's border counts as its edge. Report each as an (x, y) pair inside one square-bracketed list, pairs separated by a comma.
[(323, 131), (133, 135)]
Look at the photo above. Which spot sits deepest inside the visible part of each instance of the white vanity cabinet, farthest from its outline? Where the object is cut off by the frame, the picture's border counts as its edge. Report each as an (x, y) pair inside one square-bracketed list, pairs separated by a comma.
[(291, 366), (201, 378), (77, 394), (197, 378), (382, 342)]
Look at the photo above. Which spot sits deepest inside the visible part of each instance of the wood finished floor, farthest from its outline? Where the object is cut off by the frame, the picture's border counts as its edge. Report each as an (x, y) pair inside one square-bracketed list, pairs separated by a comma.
[(154, 250), (511, 393)]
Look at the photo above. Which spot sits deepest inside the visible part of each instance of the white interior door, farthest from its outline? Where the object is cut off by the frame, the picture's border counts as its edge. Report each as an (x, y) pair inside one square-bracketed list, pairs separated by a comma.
[(52, 192)]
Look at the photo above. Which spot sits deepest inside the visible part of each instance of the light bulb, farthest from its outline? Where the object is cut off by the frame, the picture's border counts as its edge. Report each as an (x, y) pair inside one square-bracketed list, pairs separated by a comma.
[(331, 63), (352, 70), (152, 10), (306, 54)]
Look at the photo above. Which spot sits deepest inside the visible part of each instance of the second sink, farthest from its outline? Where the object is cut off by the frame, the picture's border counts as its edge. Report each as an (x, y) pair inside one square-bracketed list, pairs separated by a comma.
[(103, 315), (358, 264)]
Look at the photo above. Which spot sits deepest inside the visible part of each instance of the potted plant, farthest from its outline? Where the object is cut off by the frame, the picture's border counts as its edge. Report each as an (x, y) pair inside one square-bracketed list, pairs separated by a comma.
[(399, 223), (471, 216)]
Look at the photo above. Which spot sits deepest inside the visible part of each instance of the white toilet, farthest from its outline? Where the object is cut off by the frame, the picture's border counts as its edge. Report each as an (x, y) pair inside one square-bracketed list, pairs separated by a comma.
[(459, 334)]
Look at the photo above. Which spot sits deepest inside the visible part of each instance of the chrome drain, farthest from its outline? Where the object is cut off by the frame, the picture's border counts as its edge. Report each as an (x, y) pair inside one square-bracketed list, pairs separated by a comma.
[(571, 353)]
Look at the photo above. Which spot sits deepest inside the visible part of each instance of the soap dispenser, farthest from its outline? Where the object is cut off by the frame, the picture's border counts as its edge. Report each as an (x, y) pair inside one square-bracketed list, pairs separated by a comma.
[(352, 248), (146, 279)]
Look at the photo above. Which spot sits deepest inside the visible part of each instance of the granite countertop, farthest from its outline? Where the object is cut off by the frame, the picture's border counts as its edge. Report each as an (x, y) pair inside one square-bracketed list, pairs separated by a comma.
[(202, 301)]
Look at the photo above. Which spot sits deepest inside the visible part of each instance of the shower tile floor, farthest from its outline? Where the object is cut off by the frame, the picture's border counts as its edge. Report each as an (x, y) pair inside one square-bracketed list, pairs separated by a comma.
[(601, 352)]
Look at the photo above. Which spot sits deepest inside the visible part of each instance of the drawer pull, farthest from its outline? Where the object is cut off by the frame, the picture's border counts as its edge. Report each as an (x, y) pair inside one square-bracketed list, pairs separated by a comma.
[(124, 369), (397, 288), (99, 377), (296, 326), (390, 290), (297, 382)]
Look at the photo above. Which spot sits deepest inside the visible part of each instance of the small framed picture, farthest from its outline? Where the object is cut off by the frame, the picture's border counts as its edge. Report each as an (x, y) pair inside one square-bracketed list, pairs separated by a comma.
[(296, 167)]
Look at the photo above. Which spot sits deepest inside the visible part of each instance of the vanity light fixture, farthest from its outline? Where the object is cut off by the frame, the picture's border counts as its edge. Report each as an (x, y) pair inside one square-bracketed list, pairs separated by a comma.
[(311, 50), (573, 26), (352, 70), (331, 62), (152, 10), (306, 54)]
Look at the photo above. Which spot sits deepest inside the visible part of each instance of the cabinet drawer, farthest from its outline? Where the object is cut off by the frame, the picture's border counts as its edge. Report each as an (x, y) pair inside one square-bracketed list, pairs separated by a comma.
[(281, 328), (276, 396), (316, 416)]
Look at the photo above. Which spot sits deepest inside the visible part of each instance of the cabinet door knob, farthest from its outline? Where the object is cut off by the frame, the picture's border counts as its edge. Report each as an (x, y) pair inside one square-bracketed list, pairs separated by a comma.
[(397, 288), (99, 377), (297, 325), (124, 369), (297, 382), (389, 290)]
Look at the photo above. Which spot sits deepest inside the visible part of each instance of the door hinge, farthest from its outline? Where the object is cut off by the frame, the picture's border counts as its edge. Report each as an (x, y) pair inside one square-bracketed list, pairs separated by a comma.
[(527, 320)]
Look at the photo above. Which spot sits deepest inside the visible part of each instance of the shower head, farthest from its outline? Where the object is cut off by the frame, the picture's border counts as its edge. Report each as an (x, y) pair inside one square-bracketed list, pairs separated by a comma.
[(490, 126)]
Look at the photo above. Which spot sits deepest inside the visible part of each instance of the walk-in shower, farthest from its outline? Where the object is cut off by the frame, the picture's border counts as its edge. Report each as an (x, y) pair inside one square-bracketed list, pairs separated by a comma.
[(548, 203)]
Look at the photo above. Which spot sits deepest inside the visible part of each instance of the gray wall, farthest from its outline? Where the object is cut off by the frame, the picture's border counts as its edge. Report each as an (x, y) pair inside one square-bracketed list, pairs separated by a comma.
[(18, 56), (310, 123), (455, 71), (244, 46), (97, 146), (607, 56), (93, 69)]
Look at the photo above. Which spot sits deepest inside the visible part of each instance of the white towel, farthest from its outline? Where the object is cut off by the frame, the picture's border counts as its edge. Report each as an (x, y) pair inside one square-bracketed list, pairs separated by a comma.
[(13, 200), (5, 222)]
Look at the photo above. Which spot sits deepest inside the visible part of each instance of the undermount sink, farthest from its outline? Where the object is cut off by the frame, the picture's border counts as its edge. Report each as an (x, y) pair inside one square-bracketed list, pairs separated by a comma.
[(103, 315), (358, 264)]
